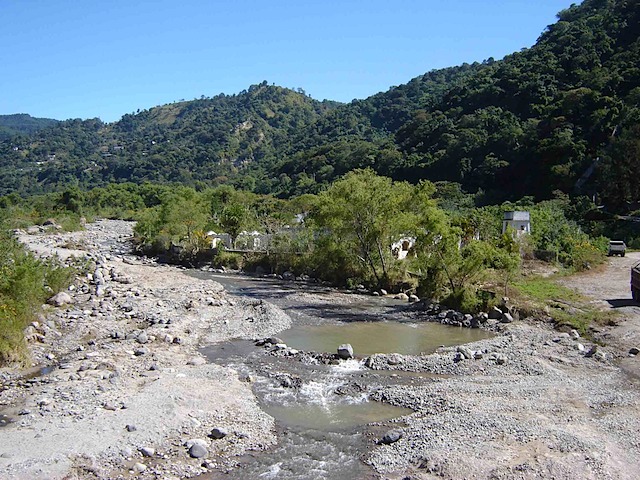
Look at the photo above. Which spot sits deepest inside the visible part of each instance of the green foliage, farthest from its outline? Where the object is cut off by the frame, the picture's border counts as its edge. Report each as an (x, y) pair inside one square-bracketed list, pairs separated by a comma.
[(222, 258), (561, 115), (22, 124), (25, 283), (364, 214), (565, 306)]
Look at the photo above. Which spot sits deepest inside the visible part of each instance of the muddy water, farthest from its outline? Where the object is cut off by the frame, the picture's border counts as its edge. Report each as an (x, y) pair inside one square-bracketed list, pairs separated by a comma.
[(323, 413), (385, 336)]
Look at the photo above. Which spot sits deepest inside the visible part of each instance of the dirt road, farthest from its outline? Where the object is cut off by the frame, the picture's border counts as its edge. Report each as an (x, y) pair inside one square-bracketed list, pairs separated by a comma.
[(609, 289)]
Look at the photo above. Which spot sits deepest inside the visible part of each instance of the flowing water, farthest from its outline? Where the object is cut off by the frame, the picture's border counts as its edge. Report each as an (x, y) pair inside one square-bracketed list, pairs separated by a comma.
[(322, 412)]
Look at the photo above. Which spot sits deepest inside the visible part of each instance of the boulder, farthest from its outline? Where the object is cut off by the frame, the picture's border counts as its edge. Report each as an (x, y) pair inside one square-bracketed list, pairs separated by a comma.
[(288, 276), (401, 296), (465, 351), (414, 298), (506, 318), (60, 299), (383, 292), (391, 436), (345, 351), (197, 447), (495, 313), (634, 351)]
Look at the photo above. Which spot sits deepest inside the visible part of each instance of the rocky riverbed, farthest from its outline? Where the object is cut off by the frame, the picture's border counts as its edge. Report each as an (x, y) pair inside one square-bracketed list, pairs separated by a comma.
[(120, 390)]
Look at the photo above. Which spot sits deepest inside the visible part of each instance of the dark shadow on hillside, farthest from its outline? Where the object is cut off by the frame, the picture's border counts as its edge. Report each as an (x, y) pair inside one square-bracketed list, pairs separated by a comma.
[(622, 302)]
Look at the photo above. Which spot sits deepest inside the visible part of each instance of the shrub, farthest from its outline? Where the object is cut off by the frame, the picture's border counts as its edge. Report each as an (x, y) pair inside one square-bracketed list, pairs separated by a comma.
[(25, 283)]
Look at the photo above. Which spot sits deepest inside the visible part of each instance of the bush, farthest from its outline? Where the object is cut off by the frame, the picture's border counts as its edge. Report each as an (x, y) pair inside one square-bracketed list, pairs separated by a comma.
[(233, 261), (25, 284), (464, 300)]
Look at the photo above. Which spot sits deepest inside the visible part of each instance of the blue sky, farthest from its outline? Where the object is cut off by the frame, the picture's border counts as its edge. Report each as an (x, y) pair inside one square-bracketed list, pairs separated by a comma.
[(83, 59)]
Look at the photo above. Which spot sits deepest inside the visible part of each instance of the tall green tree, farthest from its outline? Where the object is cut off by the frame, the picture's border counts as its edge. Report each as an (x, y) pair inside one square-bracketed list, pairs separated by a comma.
[(363, 214)]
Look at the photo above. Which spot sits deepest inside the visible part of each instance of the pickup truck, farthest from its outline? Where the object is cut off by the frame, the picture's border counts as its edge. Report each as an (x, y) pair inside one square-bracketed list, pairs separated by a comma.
[(617, 247), (635, 282)]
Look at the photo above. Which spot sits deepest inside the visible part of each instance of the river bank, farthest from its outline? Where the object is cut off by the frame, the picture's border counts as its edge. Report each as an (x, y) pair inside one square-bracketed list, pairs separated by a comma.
[(126, 391)]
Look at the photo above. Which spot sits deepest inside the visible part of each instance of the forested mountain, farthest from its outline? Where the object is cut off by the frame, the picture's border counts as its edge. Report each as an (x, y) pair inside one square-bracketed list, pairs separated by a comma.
[(22, 124), (561, 115)]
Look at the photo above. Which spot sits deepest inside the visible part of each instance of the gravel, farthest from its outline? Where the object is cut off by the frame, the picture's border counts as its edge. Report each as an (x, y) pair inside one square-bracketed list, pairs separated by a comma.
[(107, 390), (119, 387)]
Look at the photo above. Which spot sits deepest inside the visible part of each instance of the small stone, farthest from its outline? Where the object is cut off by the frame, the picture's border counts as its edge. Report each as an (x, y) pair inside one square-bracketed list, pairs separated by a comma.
[(501, 359), (196, 361), (147, 451), (139, 468), (142, 338), (634, 351), (140, 351), (218, 433), (574, 334), (414, 298), (401, 296), (383, 292), (394, 359)]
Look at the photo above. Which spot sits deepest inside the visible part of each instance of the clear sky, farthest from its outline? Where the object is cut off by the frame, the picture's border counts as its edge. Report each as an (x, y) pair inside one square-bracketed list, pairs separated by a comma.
[(87, 58)]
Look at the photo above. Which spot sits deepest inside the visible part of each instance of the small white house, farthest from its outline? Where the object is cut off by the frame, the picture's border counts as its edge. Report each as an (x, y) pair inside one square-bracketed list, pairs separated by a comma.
[(518, 221), (218, 239), (401, 247)]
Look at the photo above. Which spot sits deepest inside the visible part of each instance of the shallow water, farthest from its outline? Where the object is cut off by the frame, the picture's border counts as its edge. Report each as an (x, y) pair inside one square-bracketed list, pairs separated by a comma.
[(367, 338), (324, 420)]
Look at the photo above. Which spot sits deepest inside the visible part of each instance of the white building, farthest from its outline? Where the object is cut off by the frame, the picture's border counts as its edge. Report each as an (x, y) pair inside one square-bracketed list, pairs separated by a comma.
[(518, 221)]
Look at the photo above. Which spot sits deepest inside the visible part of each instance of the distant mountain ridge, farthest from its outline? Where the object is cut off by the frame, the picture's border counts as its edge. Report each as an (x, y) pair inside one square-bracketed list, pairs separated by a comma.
[(530, 124), (22, 124)]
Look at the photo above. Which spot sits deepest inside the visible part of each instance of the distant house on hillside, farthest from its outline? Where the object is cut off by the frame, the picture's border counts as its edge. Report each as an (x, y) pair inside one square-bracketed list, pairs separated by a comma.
[(518, 221)]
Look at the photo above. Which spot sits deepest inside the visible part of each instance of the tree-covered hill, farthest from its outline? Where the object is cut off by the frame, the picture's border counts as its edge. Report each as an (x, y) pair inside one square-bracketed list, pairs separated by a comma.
[(561, 115), (22, 124)]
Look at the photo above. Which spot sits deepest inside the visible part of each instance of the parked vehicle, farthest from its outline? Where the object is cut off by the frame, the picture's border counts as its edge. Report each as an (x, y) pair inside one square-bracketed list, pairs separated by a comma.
[(617, 247), (635, 282)]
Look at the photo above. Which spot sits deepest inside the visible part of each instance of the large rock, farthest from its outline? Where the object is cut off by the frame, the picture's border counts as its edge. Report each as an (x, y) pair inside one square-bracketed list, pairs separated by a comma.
[(391, 436), (465, 351), (495, 313), (345, 351), (506, 318), (60, 299), (197, 447)]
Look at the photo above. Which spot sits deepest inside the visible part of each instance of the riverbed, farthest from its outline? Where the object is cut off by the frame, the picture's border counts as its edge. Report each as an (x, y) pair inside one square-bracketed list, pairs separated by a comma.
[(326, 420)]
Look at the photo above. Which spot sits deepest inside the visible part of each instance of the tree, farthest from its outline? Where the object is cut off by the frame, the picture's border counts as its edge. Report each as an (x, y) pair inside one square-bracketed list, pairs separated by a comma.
[(363, 214), (233, 220)]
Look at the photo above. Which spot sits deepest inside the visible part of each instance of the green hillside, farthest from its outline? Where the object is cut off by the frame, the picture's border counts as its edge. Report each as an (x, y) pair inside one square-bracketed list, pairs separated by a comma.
[(561, 115), (22, 124)]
